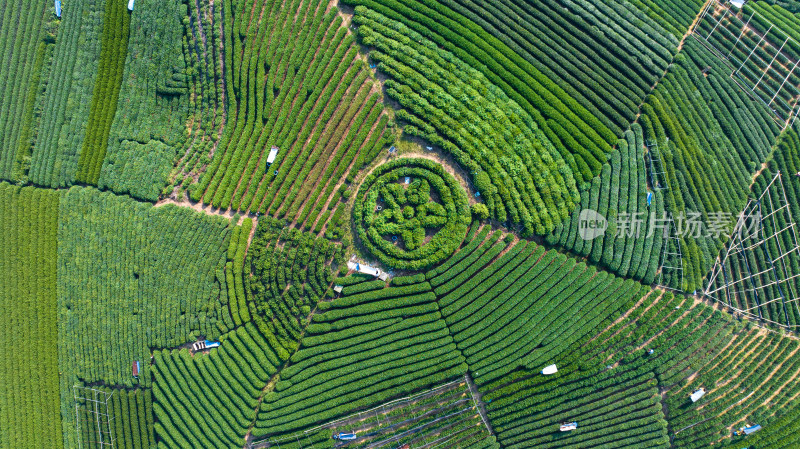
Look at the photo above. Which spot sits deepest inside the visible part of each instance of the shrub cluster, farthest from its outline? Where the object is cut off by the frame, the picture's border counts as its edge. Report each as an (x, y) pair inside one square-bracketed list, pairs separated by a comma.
[(433, 204)]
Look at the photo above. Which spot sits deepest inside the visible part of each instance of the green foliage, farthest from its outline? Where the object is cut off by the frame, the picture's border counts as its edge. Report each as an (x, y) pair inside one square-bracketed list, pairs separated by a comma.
[(579, 133), (68, 97), (209, 400), (29, 391), (202, 51), (636, 255), (234, 273), (134, 277), (286, 273), (113, 48), (294, 82), (604, 54), (132, 423), (479, 211), (26, 48), (365, 349), (674, 15), (148, 129), (517, 172), (617, 391), (489, 303), (766, 301), (718, 136), (412, 230)]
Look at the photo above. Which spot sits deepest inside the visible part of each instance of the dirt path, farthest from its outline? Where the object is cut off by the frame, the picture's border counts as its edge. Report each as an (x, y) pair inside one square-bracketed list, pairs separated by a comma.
[(477, 398), (689, 30), (206, 209), (759, 171)]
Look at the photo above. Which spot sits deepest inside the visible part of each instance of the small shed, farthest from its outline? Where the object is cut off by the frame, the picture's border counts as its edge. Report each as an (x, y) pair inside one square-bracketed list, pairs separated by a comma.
[(551, 369), (738, 3), (272, 153), (58, 8), (337, 288), (135, 368), (697, 394), (130, 5)]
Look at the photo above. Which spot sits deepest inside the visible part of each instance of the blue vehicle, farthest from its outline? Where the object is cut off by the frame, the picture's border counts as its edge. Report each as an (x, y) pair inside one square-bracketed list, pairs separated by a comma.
[(344, 436)]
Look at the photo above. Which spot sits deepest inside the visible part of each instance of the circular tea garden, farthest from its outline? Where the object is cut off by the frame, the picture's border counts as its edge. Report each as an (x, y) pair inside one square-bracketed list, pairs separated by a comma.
[(411, 213)]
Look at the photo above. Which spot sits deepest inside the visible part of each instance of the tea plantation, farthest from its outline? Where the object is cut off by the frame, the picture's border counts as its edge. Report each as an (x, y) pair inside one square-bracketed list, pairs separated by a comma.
[(397, 224)]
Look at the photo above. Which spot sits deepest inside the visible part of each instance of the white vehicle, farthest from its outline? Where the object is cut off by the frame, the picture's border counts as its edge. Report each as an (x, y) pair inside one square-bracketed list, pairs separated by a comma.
[(205, 344), (567, 426)]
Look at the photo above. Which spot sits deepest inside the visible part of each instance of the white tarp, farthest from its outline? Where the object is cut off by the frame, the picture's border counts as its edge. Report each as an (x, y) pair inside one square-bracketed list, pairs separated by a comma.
[(272, 153), (552, 369)]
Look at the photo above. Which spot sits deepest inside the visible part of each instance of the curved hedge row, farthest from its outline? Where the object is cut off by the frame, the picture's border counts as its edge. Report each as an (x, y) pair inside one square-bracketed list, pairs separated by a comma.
[(620, 192), (285, 274), (411, 214), (605, 54), (360, 351), (489, 301), (514, 168), (578, 131), (622, 395), (292, 81), (209, 400)]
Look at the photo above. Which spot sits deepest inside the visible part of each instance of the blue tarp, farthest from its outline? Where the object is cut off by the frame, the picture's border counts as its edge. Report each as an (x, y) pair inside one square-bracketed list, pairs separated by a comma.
[(211, 344), (749, 430), (58, 8)]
